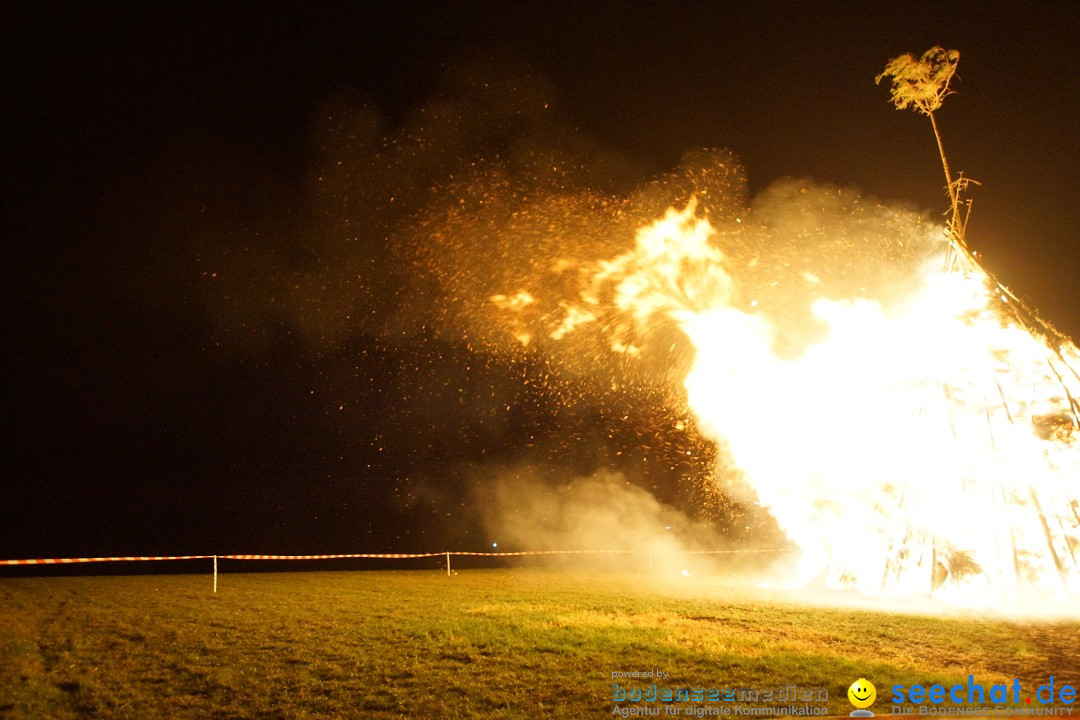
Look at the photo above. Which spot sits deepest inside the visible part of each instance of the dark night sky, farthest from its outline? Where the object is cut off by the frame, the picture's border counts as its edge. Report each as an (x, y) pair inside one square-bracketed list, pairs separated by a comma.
[(141, 140)]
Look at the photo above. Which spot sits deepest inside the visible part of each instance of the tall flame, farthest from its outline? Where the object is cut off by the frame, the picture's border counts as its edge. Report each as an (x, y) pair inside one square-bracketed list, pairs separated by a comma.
[(926, 445)]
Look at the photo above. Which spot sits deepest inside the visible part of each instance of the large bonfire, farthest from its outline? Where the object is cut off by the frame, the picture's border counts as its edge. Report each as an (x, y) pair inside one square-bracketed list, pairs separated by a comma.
[(927, 443)]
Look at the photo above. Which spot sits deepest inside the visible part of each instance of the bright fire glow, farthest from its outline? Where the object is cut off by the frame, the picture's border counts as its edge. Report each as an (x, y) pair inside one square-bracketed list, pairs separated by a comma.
[(926, 446)]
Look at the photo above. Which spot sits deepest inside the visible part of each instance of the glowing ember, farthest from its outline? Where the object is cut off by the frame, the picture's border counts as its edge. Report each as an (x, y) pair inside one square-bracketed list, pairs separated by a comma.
[(927, 443)]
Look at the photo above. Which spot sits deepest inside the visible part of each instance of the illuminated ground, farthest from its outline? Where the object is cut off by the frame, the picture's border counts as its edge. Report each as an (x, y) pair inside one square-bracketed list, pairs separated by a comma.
[(482, 644)]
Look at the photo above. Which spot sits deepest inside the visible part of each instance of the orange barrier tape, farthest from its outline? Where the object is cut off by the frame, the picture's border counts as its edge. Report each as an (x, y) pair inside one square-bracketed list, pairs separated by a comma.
[(332, 557), (67, 561), (611, 552), (547, 552)]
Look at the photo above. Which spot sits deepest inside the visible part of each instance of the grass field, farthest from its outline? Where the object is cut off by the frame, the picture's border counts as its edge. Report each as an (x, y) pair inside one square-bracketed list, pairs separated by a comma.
[(523, 643)]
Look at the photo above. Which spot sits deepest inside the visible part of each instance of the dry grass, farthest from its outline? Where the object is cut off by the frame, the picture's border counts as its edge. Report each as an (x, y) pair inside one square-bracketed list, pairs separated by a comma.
[(483, 644)]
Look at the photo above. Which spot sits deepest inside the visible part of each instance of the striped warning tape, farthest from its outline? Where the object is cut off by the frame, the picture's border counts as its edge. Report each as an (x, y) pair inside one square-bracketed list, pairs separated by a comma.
[(545, 552), (332, 557), (612, 552), (68, 561)]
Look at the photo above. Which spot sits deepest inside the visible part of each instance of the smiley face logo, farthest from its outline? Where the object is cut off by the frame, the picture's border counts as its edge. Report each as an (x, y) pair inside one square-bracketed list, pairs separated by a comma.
[(862, 695)]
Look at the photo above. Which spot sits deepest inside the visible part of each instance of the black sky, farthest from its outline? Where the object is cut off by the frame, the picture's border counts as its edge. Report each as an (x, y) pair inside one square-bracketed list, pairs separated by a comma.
[(137, 136)]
